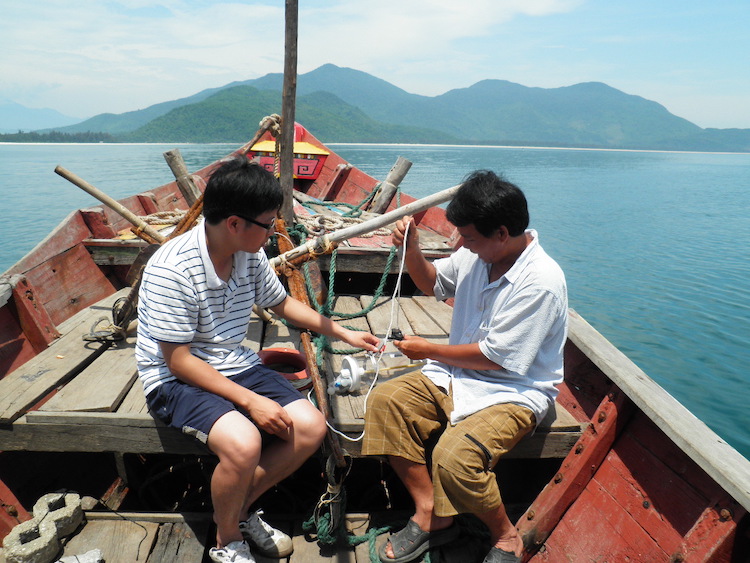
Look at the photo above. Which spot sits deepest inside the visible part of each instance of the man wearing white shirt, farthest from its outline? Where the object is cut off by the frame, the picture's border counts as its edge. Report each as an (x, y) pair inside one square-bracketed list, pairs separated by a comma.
[(488, 387)]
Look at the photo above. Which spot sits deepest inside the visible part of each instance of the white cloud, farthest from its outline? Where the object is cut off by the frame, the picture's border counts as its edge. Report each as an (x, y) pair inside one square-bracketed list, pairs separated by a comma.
[(89, 56), (422, 38), (131, 54)]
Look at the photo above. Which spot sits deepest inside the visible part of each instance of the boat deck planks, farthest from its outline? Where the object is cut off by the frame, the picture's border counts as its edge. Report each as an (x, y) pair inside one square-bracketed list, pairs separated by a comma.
[(135, 400), (119, 540), (160, 537), (102, 385), (65, 357)]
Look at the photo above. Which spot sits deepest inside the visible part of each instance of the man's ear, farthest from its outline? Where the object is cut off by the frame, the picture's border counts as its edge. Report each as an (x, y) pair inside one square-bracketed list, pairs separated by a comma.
[(502, 233), (233, 224)]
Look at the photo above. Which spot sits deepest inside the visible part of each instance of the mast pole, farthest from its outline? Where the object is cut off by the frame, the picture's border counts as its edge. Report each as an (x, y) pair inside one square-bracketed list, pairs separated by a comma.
[(286, 165)]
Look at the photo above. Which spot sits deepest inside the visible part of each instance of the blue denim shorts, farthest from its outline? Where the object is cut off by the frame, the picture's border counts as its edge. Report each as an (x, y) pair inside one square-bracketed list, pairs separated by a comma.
[(194, 410)]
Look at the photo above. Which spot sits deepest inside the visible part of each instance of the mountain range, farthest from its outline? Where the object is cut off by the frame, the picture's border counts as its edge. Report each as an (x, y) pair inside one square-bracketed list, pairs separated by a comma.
[(346, 105), (15, 117)]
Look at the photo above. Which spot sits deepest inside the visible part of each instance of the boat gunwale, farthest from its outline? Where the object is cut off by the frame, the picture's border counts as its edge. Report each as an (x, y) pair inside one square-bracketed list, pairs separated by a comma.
[(722, 462)]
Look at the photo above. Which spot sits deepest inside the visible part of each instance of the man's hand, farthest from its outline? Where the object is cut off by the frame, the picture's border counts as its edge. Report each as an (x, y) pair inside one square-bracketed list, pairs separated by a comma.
[(360, 339), (400, 232), (467, 356), (269, 415), (413, 347)]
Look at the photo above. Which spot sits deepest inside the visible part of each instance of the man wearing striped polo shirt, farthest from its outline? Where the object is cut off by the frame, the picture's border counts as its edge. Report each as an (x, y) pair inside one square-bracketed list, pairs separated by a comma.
[(195, 301)]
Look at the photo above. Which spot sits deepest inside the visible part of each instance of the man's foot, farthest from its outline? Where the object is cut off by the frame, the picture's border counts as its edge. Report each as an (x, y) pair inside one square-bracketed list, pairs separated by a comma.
[(497, 555), (269, 541), (233, 552), (411, 542)]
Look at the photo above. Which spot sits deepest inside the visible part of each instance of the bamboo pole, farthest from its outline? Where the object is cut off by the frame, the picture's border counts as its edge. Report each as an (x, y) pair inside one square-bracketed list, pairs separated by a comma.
[(321, 243), (298, 290)]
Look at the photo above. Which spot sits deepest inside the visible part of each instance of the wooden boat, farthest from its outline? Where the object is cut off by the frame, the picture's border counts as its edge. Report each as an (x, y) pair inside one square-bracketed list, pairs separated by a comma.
[(620, 472)]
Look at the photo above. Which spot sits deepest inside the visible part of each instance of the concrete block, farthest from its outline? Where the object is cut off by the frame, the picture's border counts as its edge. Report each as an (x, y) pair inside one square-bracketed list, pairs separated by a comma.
[(32, 541), (64, 509), (38, 540)]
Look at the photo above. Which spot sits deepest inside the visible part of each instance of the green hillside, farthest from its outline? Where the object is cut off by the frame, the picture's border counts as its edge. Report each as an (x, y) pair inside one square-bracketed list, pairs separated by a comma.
[(232, 116), (347, 105), (132, 120)]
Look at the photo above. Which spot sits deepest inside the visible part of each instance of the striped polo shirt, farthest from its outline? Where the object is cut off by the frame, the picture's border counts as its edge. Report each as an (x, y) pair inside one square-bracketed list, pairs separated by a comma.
[(182, 300)]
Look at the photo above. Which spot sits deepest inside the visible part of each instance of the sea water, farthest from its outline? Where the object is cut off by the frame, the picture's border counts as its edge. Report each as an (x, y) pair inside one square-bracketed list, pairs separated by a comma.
[(655, 245)]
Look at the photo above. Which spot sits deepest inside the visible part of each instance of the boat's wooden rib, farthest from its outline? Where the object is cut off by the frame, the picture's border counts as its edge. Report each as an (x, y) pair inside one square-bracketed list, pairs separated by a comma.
[(114, 252), (95, 432)]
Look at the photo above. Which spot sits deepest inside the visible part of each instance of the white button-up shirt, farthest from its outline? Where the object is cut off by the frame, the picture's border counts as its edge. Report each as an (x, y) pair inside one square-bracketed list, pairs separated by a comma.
[(520, 322)]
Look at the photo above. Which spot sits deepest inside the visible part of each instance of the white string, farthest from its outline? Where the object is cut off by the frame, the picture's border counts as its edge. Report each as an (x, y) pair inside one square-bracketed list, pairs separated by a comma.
[(379, 354)]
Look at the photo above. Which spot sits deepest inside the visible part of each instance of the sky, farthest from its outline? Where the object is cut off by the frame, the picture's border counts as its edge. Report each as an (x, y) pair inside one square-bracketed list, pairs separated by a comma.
[(88, 57)]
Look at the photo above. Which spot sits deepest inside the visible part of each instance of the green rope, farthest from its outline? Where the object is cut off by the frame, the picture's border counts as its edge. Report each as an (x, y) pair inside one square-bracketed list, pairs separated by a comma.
[(326, 309), (377, 295), (300, 234), (356, 211), (329, 527)]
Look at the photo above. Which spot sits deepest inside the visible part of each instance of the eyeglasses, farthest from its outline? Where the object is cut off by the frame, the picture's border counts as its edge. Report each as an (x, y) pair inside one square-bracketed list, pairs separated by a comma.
[(267, 226)]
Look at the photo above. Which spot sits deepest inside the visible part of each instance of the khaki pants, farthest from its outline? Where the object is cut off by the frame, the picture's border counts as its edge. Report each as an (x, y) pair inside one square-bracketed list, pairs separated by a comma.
[(408, 417)]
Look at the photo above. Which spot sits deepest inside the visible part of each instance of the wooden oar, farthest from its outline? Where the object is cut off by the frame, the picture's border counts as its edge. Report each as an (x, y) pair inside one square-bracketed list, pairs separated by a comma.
[(324, 241), (152, 236)]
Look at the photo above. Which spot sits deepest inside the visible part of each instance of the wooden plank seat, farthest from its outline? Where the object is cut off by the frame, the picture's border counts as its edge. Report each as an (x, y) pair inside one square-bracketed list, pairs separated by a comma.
[(79, 397), (421, 315)]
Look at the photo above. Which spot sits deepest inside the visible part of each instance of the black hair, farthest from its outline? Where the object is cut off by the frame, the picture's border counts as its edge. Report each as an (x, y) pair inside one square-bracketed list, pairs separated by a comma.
[(488, 202), (240, 187)]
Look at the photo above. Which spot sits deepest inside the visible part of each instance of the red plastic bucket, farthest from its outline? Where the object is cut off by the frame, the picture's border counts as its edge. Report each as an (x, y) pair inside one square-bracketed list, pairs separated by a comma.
[(289, 363)]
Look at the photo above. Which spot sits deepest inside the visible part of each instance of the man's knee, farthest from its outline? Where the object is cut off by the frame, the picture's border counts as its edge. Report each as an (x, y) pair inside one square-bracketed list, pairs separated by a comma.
[(235, 440), (463, 476), (315, 427), (381, 395), (458, 492), (309, 422), (461, 454)]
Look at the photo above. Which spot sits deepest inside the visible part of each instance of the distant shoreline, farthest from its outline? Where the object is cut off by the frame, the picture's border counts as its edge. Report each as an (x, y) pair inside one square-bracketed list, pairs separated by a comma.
[(428, 145)]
